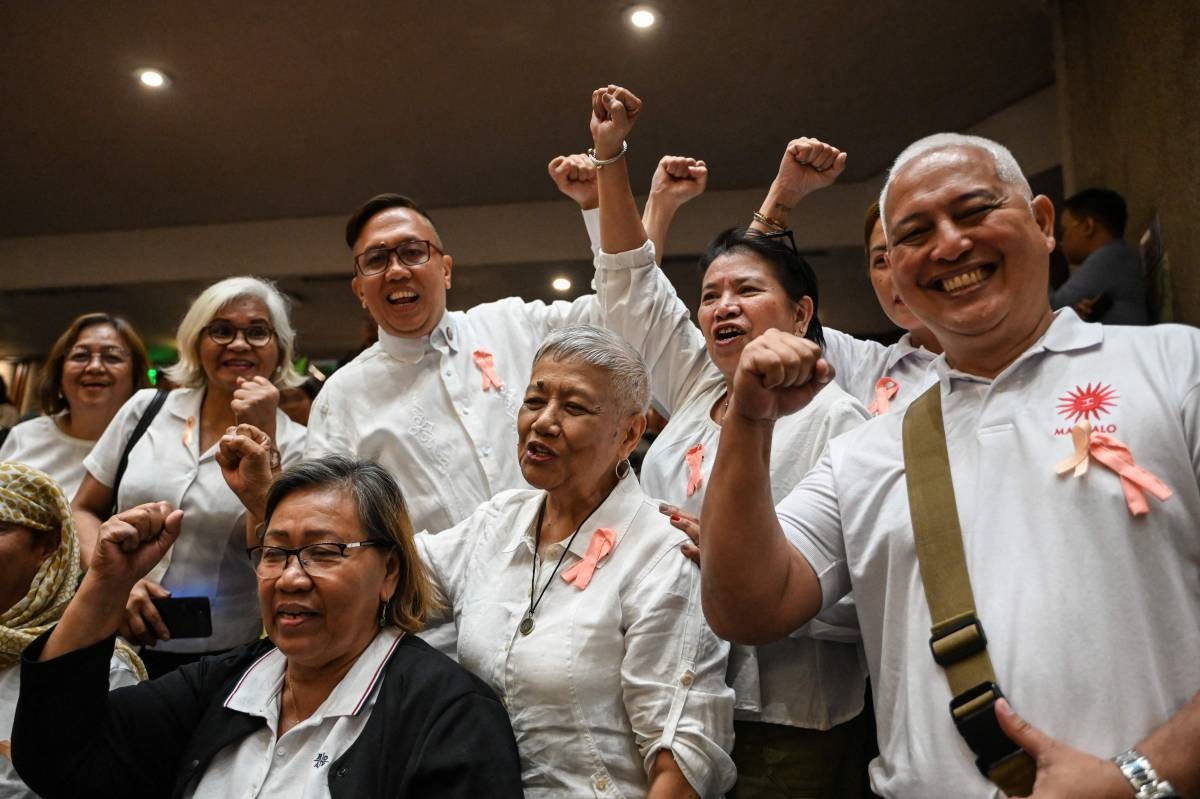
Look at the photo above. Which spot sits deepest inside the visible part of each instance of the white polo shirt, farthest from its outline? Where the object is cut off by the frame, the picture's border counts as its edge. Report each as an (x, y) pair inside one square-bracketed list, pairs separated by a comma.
[(860, 363), (209, 557), (798, 681), (611, 674), (295, 765), (1091, 614)]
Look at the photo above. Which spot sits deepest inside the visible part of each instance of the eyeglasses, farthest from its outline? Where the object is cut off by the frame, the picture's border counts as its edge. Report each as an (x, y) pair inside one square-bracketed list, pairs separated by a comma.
[(374, 260), (784, 236), (224, 333), (314, 559), (109, 356)]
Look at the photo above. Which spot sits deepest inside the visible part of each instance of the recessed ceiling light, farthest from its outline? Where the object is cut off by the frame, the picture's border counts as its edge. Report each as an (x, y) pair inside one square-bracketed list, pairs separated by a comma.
[(561, 284), (642, 16), (153, 78)]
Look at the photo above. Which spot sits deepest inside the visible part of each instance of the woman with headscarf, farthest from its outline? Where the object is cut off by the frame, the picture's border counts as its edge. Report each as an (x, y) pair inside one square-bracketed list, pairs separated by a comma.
[(39, 553), (573, 602), (235, 351), (93, 369)]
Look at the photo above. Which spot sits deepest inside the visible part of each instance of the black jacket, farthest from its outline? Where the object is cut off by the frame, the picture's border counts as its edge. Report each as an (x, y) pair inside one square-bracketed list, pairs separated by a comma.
[(435, 730)]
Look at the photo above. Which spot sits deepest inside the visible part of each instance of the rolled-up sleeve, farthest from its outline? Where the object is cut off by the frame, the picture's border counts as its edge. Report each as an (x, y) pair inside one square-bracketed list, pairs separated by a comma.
[(673, 676)]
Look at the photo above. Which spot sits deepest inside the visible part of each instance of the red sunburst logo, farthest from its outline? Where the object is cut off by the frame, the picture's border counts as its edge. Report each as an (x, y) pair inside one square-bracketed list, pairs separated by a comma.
[(1090, 402)]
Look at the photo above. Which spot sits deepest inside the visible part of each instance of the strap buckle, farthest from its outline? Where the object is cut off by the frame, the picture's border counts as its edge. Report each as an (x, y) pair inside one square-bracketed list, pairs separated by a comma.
[(962, 638), (974, 714)]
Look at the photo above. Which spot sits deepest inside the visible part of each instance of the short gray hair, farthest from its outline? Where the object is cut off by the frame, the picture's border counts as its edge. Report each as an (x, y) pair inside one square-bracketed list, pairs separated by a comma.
[(189, 372), (1007, 168), (605, 349)]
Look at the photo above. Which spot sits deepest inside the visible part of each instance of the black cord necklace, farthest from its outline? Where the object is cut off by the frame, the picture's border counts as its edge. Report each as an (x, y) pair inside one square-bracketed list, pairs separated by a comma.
[(526, 625)]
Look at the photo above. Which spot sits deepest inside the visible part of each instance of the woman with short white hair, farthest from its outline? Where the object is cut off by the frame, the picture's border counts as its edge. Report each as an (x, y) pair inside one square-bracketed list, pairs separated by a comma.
[(235, 353), (573, 601)]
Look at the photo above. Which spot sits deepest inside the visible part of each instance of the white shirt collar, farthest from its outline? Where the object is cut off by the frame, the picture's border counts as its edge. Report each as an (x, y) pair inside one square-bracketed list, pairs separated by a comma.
[(410, 350), (616, 513), (1067, 333), (904, 348), (258, 692)]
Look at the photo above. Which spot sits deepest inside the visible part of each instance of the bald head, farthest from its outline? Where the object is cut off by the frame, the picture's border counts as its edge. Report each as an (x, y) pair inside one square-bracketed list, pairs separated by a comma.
[(1006, 166)]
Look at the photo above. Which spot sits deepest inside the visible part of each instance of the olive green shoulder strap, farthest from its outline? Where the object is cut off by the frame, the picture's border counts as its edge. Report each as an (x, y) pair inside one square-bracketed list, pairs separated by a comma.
[(958, 642)]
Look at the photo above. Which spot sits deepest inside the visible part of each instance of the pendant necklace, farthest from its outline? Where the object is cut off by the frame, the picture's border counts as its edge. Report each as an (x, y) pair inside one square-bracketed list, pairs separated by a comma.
[(526, 625)]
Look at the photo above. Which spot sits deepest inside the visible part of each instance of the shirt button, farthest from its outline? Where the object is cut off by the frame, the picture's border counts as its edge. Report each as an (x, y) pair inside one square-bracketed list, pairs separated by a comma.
[(448, 373), (280, 752), (466, 411), (601, 784), (485, 451), (687, 679)]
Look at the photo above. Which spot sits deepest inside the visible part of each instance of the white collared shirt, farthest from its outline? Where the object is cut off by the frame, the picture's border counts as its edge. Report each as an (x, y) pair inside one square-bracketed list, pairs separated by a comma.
[(296, 764), (42, 444), (859, 364), (611, 674), (209, 557), (797, 681), (419, 408), (1090, 613)]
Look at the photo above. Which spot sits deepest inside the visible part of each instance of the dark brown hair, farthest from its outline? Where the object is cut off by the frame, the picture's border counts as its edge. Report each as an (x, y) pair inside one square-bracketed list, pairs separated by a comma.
[(50, 396)]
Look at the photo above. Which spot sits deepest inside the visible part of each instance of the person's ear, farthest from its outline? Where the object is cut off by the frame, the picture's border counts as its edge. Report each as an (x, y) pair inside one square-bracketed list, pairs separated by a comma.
[(448, 264), (391, 577), (357, 287), (1043, 216), (634, 426), (45, 543), (804, 315)]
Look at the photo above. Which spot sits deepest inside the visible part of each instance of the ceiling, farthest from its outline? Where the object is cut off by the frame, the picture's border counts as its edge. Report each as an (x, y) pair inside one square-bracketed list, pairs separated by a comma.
[(303, 108)]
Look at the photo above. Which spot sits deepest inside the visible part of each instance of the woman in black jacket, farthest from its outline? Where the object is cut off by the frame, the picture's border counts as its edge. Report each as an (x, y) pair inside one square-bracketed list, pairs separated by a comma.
[(339, 701)]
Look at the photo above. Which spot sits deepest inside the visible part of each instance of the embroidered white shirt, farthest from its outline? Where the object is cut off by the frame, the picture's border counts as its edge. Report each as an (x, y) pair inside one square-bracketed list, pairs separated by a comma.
[(1078, 598), (611, 674), (798, 681), (209, 557), (40, 443), (419, 408), (296, 764), (860, 363)]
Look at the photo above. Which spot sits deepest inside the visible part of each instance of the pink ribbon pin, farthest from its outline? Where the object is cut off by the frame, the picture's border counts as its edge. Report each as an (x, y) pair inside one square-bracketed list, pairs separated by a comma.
[(484, 360), (694, 457), (601, 544), (885, 389), (1117, 457)]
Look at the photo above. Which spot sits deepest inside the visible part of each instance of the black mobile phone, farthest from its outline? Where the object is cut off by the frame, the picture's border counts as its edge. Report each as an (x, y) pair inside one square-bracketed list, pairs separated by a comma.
[(186, 616)]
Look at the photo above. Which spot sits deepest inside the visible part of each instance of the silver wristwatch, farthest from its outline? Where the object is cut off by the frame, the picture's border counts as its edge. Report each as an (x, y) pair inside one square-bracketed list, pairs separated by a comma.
[(1142, 776)]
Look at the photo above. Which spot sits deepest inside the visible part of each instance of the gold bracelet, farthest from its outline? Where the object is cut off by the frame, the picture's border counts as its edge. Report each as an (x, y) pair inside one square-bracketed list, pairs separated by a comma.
[(770, 222)]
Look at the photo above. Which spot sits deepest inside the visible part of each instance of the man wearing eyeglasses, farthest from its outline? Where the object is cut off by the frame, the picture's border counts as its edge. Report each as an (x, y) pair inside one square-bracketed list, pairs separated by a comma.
[(435, 399)]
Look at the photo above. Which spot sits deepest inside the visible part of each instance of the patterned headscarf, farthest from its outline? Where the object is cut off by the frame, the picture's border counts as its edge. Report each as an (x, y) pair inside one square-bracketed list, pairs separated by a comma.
[(32, 499)]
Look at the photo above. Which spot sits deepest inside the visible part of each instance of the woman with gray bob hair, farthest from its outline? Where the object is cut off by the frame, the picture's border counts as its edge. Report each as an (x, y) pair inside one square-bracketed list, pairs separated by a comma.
[(235, 348), (572, 600)]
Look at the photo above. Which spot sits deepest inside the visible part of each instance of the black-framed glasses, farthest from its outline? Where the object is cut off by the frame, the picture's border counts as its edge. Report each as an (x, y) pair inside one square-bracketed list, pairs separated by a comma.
[(784, 236), (374, 260), (314, 559), (256, 335)]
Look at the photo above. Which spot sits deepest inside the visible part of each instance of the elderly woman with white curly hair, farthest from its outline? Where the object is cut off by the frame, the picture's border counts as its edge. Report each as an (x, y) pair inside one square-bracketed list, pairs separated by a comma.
[(235, 352), (573, 602)]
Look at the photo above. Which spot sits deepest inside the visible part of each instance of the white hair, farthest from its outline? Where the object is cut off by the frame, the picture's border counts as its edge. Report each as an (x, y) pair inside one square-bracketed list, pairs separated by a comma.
[(605, 349), (1007, 168), (189, 372)]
